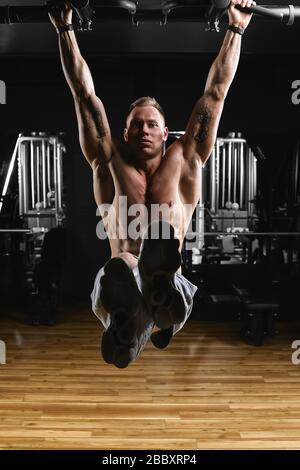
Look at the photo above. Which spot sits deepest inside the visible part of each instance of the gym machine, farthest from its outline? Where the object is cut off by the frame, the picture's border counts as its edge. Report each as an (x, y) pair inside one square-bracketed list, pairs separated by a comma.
[(226, 210), (38, 158)]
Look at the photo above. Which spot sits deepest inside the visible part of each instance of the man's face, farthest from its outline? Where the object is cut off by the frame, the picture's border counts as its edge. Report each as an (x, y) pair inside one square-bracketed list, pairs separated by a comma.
[(145, 132)]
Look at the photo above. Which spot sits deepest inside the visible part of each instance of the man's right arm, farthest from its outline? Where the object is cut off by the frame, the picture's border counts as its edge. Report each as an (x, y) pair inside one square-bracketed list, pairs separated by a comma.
[(94, 130), (202, 127)]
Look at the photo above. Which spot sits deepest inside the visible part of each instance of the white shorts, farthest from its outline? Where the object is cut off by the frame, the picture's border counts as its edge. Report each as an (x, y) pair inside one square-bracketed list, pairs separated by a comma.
[(183, 285)]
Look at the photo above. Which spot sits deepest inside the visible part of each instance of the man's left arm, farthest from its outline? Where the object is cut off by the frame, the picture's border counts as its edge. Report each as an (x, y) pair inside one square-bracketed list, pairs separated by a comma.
[(202, 127)]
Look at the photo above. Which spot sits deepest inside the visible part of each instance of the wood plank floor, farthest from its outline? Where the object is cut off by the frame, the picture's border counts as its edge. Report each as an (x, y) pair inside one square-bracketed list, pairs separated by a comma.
[(208, 390)]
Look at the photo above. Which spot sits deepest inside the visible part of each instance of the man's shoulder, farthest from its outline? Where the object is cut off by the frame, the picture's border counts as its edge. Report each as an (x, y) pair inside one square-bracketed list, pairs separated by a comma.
[(176, 148)]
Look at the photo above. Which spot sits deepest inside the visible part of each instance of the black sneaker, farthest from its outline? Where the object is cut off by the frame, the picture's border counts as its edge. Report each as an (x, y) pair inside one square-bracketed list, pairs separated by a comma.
[(158, 262), (162, 338), (114, 352), (120, 296)]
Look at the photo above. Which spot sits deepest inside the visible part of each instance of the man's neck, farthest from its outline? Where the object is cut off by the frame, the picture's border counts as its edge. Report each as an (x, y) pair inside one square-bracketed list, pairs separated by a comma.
[(148, 167)]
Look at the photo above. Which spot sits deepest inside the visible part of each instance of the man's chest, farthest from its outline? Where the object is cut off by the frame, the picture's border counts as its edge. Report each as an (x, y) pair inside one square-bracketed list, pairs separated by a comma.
[(152, 184), (162, 187)]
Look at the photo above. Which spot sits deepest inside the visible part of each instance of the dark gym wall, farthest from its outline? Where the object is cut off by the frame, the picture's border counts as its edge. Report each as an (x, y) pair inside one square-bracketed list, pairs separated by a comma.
[(259, 103)]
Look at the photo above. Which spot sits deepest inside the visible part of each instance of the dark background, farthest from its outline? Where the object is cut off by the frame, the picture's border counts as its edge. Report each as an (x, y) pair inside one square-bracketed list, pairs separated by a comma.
[(169, 63)]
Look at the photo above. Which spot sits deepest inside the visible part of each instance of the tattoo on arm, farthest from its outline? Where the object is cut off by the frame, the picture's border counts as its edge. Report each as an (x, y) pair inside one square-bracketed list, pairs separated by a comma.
[(95, 117), (202, 121)]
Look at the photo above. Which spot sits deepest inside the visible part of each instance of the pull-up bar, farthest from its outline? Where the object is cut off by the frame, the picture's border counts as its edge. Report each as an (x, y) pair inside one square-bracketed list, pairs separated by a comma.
[(128, 11)]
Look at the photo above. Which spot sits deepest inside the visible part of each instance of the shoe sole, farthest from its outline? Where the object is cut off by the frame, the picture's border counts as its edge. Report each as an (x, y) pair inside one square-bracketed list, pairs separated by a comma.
[(113, 352), (159, 260), (162, 338), (121, 297)]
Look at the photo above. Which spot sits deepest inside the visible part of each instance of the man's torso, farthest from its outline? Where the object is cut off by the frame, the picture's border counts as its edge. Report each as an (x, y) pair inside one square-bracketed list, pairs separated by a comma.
[(174, 189)]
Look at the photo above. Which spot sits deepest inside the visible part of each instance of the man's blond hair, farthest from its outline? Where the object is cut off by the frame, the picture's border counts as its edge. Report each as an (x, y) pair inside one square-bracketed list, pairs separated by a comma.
[(146, 101)]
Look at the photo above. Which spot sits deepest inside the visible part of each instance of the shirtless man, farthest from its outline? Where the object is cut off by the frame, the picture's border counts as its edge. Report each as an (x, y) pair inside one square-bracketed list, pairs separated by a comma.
[(141, 287)]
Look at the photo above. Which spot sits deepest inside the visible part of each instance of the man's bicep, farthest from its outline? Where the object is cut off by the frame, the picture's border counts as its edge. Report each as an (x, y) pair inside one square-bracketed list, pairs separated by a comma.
[(93, 127), (201, 131)]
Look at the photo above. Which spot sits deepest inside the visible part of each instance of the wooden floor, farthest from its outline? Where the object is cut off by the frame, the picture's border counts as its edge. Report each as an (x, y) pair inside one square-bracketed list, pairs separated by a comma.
[(208, 390)]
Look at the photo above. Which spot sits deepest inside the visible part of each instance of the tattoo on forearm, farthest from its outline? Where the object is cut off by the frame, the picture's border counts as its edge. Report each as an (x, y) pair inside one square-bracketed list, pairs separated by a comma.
[(203, 119), (97, 121)]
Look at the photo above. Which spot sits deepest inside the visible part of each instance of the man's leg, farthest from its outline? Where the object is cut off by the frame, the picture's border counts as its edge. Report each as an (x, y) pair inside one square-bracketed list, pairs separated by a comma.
[(119, 295), (162, 338), (119, 304), (158, 262), (169, 295)]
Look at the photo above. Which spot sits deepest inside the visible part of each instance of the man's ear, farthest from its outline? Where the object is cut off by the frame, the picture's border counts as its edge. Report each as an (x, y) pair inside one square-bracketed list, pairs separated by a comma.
[(125, 134), (166, 133)]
